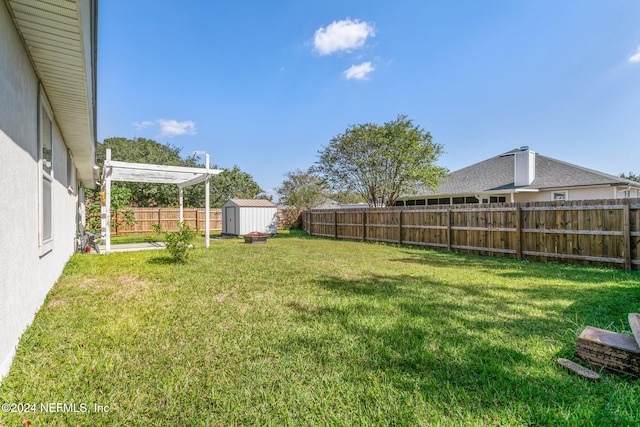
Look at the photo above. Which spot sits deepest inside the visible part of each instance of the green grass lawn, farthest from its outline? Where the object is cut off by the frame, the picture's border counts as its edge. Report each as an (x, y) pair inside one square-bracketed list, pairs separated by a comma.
[(136, 238), (305, 331)]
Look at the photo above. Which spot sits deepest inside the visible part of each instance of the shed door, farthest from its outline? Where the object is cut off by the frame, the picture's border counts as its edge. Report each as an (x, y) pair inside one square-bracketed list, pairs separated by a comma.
[(230, 212)]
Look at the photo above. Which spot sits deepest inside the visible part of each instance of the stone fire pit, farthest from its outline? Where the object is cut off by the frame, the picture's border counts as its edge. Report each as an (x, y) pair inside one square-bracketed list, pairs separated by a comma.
[(255, 237)]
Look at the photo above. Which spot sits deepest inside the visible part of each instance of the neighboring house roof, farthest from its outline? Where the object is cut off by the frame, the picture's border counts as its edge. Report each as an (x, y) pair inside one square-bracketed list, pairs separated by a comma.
[(332, 204), (61, 39), (328, 204), (497, 175), (252, 203)]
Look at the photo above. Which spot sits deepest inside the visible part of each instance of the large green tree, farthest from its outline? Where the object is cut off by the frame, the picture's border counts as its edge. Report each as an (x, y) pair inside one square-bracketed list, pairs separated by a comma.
[(381, 162)]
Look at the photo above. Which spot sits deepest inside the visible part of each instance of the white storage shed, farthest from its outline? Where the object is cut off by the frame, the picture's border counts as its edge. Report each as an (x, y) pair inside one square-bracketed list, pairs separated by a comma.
[(242, 216)]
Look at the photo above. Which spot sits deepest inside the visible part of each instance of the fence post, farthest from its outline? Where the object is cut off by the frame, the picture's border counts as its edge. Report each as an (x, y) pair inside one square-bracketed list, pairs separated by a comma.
[(518, 231), (449, 233), (626, 233), (400, 226), (335, 224), (305, 221), (364, 226)]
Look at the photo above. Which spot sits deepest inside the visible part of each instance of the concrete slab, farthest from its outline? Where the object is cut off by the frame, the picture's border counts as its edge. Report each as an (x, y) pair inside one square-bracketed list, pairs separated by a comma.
[(131, 247)]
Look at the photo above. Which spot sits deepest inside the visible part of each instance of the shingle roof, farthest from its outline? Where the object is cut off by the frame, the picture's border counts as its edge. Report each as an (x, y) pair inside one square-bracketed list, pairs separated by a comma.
[(497, 174)]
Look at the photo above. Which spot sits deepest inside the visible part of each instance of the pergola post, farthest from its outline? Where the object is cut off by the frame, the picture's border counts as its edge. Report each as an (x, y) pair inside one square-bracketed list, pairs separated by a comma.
[(207, 214), (181, 202), (107, 196)]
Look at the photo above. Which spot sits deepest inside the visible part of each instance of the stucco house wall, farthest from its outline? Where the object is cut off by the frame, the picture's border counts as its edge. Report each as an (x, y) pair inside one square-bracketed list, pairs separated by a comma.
[(592, 193), (28, 270)]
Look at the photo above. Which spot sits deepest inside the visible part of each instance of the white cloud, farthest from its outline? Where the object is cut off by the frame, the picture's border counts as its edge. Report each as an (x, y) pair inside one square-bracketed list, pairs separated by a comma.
[(168, 128), (142, 125), (174, 127), (359, 72), (343, 35), (636, 56)]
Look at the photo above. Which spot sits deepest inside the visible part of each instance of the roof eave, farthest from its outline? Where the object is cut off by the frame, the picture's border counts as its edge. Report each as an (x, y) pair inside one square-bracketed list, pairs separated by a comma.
[(60, 39)]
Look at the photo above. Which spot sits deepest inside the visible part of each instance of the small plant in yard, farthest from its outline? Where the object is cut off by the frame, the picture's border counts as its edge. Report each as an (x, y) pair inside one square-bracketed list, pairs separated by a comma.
[(155, 228), (179, 242)]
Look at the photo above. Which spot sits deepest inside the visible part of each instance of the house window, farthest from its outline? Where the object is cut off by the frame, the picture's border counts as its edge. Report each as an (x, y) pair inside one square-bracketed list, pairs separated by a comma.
[(560, 195), (497, 199), (46, 170), (471, 200), (624, 193)]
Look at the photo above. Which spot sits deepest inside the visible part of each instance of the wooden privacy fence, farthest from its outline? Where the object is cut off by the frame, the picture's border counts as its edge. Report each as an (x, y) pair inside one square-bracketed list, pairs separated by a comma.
[(168, 219), (596, 232)]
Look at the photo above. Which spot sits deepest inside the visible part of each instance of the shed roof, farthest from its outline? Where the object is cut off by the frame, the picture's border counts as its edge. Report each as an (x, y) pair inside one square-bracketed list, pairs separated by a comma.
[(252, 203)]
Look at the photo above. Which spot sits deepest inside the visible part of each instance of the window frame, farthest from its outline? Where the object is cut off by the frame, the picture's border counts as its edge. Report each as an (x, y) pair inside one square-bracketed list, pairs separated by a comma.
[(565, 194), (45, 116)]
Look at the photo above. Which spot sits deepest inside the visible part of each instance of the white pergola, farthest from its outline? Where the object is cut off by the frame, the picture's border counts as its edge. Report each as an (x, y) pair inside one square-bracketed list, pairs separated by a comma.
[(158, 174)]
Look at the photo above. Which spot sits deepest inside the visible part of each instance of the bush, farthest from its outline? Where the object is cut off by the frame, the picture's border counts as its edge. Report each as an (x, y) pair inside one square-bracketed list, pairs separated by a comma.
[(290, 219), (179, 242)]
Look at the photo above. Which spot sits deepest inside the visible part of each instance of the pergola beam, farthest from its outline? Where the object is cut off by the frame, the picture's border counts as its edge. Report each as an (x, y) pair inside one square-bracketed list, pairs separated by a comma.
[(194, 181)]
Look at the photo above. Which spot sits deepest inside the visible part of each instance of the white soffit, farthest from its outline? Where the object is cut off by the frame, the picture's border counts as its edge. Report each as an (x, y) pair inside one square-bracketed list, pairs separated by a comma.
[(159, 174), (61, 53)]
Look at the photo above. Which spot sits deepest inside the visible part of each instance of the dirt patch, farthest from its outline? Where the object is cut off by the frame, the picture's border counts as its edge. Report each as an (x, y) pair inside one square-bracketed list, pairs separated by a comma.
[(129, 286), (124, 286), (55, 302)]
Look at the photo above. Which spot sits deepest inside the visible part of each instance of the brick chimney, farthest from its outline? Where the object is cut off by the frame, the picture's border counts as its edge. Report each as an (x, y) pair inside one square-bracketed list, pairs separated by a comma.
[(524, 167)]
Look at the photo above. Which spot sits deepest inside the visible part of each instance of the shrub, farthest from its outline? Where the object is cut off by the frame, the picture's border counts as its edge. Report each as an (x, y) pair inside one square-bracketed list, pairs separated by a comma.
[(290, 219), (179, 242)]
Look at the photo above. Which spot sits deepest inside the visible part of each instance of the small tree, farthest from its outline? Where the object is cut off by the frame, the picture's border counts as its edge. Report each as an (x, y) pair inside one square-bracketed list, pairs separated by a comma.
[(302, 190), (120, 198), (381, 162), (178, 243), (120, 214)]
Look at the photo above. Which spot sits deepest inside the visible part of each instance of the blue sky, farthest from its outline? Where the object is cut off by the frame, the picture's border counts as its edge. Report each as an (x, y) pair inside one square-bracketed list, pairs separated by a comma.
[(264, 85)]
